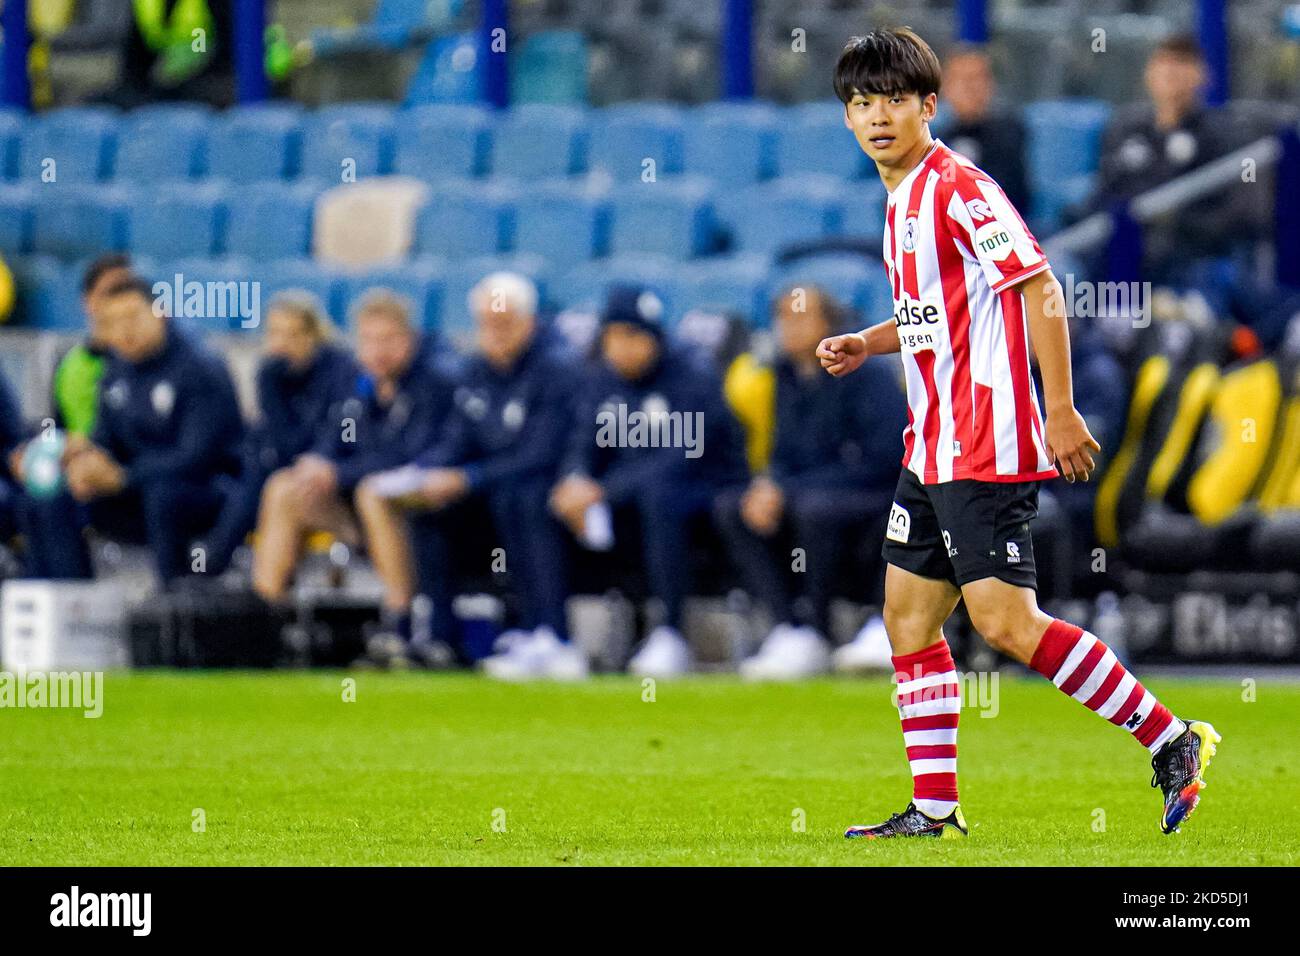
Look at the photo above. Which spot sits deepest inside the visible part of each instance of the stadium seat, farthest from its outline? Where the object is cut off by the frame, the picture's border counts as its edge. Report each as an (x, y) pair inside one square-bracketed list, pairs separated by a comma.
[(565, 223), (812, 138), (861, 206), (156, 146), (454, 320), (226, 284), (12, 123), (539, 141), (268, 221), (550, 67), (79, 141), (80, 220), (626, 136), (419, 280), (449, 72), (395, 24), (584, 286), (49, 294), (767, 217), (1064, 137), (727, 283), (730, 142), (248, 145), (857, 282), (446, 141), (324, 282), (176, 221), (350, 140), (670, 218), (465, 219), (17, 204)]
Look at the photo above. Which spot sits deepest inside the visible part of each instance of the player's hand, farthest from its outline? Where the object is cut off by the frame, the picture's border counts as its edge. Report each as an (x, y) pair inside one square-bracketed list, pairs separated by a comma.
[(1070, 445), (842, 354), (762, 505)]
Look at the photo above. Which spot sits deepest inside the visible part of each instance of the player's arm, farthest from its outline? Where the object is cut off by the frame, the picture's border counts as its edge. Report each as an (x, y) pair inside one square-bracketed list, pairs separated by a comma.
[(842, 354), (1069, 443)]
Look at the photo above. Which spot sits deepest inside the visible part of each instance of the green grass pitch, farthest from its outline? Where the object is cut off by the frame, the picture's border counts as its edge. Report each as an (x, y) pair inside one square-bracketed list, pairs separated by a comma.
[(454, 769)]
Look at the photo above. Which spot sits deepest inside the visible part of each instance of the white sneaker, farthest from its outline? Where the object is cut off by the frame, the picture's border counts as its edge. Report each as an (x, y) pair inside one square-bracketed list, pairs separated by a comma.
[(788, 653), (539, 655), (869, 651), (665, 653)]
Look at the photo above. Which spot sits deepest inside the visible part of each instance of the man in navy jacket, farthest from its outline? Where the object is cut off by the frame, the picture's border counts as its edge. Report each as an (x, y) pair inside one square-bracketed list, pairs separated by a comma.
[(394, 411), (167, 430), (653, 443), (478, 497)]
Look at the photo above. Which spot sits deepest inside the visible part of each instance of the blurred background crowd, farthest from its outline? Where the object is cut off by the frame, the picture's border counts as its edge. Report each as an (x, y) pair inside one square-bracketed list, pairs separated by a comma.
[(313, 309)]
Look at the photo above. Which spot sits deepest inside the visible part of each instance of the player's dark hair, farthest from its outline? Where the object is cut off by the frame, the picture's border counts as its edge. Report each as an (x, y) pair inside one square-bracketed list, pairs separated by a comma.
[(130, 285), (100, 267), (1180, 45), (887, 62)]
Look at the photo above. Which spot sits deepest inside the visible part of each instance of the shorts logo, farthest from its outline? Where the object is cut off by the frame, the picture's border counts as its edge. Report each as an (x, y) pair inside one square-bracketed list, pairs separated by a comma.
[(900, 524), (947, 543), (1013, 553)]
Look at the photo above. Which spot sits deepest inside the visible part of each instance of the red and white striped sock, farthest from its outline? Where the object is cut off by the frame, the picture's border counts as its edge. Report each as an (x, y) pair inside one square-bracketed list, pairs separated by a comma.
[(929, 704), (1086, 669)]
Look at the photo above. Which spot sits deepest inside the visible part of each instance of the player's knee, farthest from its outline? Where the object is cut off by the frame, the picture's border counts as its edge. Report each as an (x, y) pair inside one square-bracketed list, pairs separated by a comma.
[(278, 494)]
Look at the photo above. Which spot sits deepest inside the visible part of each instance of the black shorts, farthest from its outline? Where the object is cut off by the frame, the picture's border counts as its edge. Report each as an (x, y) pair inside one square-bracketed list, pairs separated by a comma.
[(961, 531)]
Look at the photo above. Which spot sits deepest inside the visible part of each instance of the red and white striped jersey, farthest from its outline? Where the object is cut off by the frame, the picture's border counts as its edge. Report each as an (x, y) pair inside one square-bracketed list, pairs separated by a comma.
[(955, 248)]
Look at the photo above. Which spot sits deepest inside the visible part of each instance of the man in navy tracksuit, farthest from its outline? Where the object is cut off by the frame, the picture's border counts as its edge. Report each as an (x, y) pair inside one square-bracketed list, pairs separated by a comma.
[(302, 377), (832, 471), (394, 412), (167, 430), (12, 434), (483, 487), (653, 443)]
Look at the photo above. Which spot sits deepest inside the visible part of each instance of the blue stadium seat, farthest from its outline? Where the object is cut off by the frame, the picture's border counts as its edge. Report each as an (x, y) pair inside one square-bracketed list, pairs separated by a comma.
[(1064, 137), (49, 294), (862, 208), (857, 282), (670, 218), (268, 221), (80, 220), (465, 219), (812, 138), (550, 67), (584, 286), (355, 139), (730, 283), (770, 216), (625, 136), (419, 280), (563, 222), (449, 72), (160, 146), (12, 123), (448, 141), (324, 282), (225, 287), (177, 221), (17, 204), (539, 141), (80, 141), (249, 145), (731, 143), (454, 319)]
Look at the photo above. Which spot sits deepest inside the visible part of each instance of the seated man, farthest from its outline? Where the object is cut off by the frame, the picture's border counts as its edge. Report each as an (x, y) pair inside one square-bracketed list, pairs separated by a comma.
[(652, 445), (167, 430), (303, 376), (493, 467), (12, 433), (992, 138), (76, 380), (394, 412), (832, 472)]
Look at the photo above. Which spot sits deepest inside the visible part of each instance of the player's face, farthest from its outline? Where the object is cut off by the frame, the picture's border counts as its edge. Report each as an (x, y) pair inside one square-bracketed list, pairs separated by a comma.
[(385, 346), (503, 335), (130, 326), (629, 351), (288, 337), (891, 127)]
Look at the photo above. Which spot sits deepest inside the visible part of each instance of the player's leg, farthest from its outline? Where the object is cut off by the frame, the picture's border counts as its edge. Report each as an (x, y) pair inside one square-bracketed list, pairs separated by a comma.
[(279, 536), (383, 525)]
